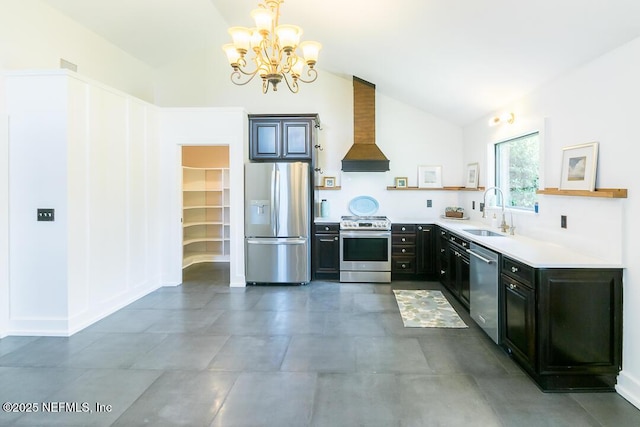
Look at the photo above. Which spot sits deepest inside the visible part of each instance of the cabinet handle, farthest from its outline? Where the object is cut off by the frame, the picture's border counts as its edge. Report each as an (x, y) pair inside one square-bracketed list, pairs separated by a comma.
[(419, 227), (464, 244), (441, 251), (404, 250), (512, 286), (326, 228), (442, 233), (404, 240), (404, 266), (453, 239), (328, 240), (403, 229), (335, 238), (514, 269), (442, 272)]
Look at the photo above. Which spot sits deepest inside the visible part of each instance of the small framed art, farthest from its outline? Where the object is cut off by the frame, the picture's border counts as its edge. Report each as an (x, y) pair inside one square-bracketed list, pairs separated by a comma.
[(472, 176), (329, 181), (430, 176), (579, 166), (401, 182)]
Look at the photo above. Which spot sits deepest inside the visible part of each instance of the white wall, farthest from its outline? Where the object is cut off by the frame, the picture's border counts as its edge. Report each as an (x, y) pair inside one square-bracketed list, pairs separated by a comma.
[(92, 158), (596, 102), (4, 225), (35, 36)]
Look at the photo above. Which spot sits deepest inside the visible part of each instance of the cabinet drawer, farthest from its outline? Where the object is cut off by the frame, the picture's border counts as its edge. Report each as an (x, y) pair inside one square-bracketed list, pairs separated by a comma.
[(518, 270), (403, 228), (327, 228), (403, 250), (459, 241), (405, 265), (403, 239)]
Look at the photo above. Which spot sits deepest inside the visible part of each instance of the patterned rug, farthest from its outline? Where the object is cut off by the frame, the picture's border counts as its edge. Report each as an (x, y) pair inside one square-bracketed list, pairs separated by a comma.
[(427, 309)]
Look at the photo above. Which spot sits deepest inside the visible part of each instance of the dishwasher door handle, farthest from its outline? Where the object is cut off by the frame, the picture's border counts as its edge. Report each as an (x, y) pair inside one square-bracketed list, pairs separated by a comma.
[(487, 260)]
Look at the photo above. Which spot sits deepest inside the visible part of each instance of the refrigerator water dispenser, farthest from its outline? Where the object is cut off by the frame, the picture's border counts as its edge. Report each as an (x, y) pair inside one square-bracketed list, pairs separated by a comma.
[(260, 212)]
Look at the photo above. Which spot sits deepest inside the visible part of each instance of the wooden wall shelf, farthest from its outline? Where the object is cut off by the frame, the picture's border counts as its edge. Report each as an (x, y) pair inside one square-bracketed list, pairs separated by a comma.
[(435, 189), (320, 187), (608, 193)]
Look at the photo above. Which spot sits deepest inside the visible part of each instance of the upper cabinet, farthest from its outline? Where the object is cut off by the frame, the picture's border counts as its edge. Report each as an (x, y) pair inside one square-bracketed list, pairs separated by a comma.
[(282, 137)]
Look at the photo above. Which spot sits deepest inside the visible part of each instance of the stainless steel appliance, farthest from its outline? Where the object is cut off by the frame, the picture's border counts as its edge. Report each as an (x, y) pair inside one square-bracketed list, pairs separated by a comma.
[(277, 223), (484, 295), (365, 249)]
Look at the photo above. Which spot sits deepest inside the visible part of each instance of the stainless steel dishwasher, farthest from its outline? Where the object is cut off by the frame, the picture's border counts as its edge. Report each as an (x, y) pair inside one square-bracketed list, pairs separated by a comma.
[(484, 283)]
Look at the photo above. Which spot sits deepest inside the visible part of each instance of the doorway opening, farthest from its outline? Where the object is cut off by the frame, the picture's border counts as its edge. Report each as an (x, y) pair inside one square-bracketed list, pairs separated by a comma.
[(206, 215)]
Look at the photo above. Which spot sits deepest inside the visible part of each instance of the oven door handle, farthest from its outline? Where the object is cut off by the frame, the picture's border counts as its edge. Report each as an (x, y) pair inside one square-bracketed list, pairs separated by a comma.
[(365, 234)]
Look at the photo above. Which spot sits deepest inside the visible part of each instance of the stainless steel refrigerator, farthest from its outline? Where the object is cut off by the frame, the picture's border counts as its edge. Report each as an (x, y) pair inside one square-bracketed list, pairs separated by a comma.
[(277, 223)]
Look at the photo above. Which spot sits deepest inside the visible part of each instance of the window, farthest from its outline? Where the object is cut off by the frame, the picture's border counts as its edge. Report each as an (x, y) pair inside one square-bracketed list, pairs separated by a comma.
[(517, 170)]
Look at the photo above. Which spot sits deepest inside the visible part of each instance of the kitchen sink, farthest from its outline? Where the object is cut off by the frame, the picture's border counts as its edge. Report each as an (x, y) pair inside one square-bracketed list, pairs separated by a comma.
[(481, 232)]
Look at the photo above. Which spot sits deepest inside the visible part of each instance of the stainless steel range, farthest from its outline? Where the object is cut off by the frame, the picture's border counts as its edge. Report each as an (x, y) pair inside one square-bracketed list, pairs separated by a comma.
[(365, 249)]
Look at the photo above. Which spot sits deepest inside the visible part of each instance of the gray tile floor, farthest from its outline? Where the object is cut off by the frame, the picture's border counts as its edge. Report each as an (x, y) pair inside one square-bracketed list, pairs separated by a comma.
[(325, 354)]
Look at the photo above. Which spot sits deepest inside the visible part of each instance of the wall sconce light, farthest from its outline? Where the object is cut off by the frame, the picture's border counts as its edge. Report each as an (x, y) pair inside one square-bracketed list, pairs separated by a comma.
[(502, 118)]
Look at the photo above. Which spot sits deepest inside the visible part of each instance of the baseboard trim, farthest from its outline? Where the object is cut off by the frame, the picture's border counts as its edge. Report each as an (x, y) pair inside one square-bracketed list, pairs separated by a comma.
[(629, 388)]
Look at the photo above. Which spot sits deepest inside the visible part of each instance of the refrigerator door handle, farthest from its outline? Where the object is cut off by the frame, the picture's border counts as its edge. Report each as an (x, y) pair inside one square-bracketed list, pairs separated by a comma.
[(272, 201), (277, 201), (288, 241)]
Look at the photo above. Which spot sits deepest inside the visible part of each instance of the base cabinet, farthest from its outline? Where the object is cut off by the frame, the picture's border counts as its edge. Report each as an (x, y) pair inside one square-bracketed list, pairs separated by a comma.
[(412, 252), (326, 252), (563, 326), (453, 265), (519, 305)]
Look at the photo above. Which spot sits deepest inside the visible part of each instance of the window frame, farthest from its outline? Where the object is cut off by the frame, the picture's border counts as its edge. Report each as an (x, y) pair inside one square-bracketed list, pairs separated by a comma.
[(494, 156)]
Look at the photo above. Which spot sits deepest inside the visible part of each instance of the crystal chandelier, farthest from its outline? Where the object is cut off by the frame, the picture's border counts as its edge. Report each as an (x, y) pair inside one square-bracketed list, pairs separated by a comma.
[(274, 47)]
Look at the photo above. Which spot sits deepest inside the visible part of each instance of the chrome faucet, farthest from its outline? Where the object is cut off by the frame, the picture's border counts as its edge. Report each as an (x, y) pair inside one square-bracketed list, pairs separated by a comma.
[(503, 225)]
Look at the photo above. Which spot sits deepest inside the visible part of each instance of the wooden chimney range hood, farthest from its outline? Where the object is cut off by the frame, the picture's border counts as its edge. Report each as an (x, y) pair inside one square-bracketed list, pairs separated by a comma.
[(364, 155)]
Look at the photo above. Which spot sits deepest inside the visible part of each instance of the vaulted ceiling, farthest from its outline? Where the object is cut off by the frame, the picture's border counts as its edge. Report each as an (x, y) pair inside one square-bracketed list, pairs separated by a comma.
[(456, 59)]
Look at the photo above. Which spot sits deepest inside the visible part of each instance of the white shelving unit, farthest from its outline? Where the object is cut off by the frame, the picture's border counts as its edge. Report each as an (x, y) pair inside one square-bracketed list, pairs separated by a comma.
[(205, 215)]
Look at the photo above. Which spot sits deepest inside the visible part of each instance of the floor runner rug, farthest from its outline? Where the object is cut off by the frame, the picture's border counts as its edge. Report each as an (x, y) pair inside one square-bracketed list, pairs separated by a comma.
[(426, 309)]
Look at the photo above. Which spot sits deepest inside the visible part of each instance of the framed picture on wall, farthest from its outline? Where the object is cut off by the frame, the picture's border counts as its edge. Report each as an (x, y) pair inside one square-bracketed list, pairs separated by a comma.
[(329, 182), (579, 166), (472, 176), (401, 182), (430, 176)]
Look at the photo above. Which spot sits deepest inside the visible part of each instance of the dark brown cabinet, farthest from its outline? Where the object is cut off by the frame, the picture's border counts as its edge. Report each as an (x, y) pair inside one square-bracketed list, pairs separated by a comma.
[(518, 307), (282, 137), (453, 265), (326, 251), (425, 251), (403, 250), (441, 255), (564, 326), (412, 251)]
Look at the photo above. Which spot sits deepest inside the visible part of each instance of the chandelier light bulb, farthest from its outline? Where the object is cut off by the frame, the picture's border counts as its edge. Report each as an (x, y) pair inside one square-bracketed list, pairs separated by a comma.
[(310, 52), (263, 19), (241, 38)]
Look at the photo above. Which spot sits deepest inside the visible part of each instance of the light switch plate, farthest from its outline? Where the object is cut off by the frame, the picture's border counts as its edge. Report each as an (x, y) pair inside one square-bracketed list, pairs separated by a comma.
[(46, 214)]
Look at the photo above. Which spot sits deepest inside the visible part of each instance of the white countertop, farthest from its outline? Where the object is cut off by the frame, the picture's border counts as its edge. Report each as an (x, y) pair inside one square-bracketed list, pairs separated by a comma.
[(533, 252), (536, 253)]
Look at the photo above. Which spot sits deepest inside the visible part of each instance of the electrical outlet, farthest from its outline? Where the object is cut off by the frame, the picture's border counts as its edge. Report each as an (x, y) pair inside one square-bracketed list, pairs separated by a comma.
[(563, 221), (481, 207), (429, 203), (46, 214), (473, 205)]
